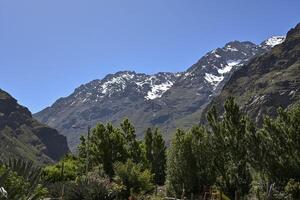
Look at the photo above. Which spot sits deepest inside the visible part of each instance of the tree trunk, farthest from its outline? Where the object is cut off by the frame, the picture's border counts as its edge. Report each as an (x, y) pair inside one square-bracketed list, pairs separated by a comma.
[(237, 195)]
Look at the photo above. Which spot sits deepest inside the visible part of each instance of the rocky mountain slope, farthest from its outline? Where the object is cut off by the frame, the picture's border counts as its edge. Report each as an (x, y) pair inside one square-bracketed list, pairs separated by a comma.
[(166, 100), (24, 137), (268, 81)]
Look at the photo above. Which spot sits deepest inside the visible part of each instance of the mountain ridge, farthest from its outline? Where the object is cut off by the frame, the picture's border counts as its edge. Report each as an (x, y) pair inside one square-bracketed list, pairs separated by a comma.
[(148, 100), (267, 82)]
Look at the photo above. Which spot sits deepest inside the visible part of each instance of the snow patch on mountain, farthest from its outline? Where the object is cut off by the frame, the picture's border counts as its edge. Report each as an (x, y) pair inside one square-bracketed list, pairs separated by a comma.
[(229, 66), (230, 48), (213, 80), (115, 84), (273, 41), (158, 90), (217, 56), (146, 86)]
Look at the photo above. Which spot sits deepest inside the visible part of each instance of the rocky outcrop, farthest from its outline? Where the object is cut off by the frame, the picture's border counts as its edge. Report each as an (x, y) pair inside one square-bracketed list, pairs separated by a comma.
[(24, 137)]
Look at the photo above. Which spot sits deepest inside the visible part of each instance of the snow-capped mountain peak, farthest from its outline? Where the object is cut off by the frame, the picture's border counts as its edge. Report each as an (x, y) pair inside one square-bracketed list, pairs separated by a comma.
[(151, 99), (123, 83), (216, 64), (272, 41)]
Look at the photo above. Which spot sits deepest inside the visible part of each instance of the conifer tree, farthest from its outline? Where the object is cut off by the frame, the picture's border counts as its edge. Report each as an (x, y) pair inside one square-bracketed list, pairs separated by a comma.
[(201, 146), (280, 147), (155, 153), (148, 140), (158, 158), (133, 146), (181, 166), (230, 142), (106, 146), (101, 147)]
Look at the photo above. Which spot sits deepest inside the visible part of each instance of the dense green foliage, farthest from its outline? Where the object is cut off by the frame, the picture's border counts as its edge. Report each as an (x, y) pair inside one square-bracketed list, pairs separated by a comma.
[(21, 181), (281, 146), (155, 152), (108, 145), (65, 170), (135, 179), (91, 187), (131, 166), (231, 137), (231, 154), (182, 169)]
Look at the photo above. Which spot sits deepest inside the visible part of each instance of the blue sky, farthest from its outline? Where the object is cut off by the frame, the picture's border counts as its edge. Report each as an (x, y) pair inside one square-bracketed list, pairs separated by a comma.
[(50, 47)]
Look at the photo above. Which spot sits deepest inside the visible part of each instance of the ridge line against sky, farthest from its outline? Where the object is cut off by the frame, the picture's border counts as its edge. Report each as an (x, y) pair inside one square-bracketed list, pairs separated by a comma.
[(48, 48)]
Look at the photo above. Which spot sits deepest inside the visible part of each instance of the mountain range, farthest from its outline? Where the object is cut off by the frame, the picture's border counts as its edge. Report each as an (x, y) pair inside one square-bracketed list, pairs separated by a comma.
[(165, 100)]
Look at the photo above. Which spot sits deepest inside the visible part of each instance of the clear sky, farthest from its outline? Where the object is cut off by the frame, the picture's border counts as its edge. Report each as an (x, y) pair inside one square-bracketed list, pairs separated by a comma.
[(50, 47)]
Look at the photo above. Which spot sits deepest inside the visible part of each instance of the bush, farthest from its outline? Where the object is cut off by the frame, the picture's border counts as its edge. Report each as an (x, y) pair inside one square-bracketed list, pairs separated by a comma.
[(21, 181), (91, 187), (292, 189), (65, 170), (135, 180)]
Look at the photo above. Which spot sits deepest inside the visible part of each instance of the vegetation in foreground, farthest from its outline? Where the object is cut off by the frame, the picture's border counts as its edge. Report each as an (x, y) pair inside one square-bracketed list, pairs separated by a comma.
[(231, 154)]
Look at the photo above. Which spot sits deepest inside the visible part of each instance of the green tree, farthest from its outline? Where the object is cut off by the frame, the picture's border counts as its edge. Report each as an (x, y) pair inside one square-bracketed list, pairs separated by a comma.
[(280, 146), (201, 147), (101, 147), (108, 145), (133, 147), (135, 179), (158, 166), (82, 148), (118, 144), (230, 143), (148, 140), (181, 166)]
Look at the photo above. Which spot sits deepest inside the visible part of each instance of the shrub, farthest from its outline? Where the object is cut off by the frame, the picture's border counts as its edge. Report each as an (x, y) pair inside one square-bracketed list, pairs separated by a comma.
[(135, 179)]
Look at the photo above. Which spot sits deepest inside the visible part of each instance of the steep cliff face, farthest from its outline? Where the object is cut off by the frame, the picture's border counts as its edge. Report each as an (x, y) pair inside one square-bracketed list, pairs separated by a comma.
[(24, 137), (268, 81)]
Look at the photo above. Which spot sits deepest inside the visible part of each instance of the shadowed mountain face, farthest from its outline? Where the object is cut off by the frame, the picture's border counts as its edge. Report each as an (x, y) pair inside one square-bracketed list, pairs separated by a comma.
[(24, 137), (165, 100), (268, 81)]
